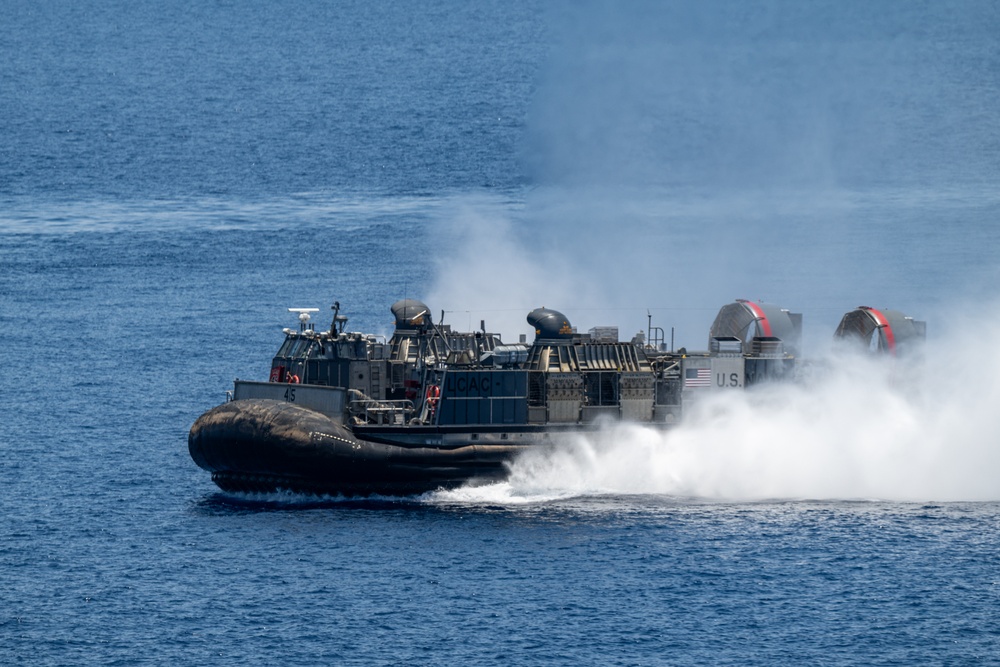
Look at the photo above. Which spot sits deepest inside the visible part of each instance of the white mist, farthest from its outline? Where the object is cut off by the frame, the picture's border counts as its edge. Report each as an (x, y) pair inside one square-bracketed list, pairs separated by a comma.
[(857, 428)]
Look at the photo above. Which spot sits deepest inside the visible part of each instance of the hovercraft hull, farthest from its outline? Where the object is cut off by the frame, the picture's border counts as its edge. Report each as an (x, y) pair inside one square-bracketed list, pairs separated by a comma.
[(263, 445)]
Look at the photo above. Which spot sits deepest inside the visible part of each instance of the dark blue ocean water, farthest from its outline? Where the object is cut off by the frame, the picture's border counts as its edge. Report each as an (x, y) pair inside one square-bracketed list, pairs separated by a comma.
[(173, 177)]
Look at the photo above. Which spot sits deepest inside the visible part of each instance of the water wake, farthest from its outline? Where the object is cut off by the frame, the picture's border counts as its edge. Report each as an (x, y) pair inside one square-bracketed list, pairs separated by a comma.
[(854, 428)]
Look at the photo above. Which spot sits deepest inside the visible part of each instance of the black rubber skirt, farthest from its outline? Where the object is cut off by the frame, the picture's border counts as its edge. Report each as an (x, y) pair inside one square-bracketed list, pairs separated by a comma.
[(261, 445)]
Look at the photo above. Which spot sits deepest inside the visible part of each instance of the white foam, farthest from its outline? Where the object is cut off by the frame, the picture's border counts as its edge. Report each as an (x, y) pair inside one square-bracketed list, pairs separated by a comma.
[(855, 429)]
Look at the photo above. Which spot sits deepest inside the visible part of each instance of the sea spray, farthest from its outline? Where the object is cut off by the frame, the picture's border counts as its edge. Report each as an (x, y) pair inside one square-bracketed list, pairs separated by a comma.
[(854, 427)]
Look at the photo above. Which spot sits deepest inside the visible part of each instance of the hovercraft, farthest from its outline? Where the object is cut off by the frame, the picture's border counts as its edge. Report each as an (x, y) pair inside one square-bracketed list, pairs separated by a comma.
[(355, 414)]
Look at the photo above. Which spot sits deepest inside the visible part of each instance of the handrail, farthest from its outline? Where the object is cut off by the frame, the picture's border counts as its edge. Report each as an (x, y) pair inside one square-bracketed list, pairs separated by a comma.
[(381, 412)]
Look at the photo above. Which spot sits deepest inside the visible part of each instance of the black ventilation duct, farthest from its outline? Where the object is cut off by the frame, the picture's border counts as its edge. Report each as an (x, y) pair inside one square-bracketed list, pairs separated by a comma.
[(549, 324), (411, 314)]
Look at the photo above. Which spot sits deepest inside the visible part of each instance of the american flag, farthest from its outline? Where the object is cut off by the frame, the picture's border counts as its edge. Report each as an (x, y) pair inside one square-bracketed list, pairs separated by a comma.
[(698, 377)]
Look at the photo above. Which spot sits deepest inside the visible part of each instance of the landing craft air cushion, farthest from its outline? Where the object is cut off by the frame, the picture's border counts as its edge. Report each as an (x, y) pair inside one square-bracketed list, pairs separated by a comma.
[(350, 413)]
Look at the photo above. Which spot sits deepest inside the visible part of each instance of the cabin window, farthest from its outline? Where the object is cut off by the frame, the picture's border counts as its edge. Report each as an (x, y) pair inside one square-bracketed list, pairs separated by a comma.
[(286, 347)]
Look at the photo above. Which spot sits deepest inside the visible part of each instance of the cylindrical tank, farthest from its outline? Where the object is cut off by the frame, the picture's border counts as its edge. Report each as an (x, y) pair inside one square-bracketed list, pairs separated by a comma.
[(510, 354)]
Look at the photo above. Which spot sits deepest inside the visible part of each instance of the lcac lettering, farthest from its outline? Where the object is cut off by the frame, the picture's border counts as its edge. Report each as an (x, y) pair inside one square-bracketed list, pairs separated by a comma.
[(463, 384)]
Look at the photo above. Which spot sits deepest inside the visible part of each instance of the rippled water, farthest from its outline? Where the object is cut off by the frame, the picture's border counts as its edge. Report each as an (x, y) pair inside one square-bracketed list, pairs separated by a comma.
[(173, 178)]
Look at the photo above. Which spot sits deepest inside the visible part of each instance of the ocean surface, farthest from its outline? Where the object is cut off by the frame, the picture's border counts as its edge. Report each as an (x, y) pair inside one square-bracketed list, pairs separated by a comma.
[(174, 176)]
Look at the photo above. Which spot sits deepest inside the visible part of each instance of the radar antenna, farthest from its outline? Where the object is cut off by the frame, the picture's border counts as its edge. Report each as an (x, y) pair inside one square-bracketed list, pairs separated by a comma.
[(304, 316)]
